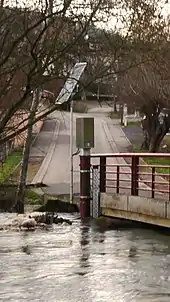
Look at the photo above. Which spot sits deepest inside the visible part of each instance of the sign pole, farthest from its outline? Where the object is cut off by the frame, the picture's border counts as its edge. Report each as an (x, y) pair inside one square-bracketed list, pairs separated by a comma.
[(85, 183)]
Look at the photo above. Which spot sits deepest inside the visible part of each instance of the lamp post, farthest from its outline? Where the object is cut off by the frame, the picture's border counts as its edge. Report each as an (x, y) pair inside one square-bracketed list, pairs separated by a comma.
[(71, 144), (65, 94)]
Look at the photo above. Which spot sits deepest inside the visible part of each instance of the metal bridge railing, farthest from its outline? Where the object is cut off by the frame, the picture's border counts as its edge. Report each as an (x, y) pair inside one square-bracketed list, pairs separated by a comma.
[(133, 174)]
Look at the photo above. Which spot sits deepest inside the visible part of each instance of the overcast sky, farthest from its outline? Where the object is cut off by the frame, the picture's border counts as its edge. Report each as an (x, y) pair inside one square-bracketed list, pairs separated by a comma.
[(112, 22)]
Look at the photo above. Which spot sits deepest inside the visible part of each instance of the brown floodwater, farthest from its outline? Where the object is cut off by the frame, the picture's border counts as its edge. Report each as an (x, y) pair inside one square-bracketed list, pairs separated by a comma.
[(84, 262)]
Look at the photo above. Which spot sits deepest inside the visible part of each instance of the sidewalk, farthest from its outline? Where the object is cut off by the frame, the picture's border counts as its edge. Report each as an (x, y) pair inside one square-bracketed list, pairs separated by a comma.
[(118, 139), (40, 150), (42, 142), (44, 147), (119, 143)]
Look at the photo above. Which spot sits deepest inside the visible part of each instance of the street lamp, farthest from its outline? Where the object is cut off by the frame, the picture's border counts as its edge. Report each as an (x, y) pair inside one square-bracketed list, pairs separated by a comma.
[(65, 94), (71, 143)]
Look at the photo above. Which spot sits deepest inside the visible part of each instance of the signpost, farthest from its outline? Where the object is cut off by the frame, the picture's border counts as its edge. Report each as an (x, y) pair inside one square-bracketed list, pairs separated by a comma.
[(85, 141), (65, 94)]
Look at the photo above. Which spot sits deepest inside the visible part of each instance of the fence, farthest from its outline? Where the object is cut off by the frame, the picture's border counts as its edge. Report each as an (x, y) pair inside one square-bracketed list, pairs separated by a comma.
[(131, 174)]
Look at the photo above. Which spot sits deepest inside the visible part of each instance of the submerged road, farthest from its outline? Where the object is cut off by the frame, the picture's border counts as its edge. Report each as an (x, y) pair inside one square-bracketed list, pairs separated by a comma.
[(109, 138), (57, 175)]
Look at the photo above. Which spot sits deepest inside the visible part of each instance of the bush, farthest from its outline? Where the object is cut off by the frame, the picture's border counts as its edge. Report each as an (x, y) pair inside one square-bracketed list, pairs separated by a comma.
[(9, 165), (33, 198)]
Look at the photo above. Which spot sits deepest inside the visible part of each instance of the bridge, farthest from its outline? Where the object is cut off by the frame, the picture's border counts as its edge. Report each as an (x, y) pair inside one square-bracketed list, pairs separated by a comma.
[(128, 185), (124, 185)]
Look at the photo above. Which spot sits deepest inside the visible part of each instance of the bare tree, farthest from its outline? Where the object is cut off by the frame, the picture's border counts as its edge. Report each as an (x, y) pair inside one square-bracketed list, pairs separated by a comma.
[(40, 44), (148, 88), (143, 68), (19, 203)]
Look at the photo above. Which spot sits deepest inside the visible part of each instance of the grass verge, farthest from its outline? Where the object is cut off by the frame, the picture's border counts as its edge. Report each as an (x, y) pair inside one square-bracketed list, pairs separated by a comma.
[(159, 161), (114, 115), (9, 165), (32, 171), (152, 161), (134, 123), (31, 197)]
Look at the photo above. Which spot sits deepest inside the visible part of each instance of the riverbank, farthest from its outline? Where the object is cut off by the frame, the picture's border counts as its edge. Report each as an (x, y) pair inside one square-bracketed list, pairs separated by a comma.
[(12, 167)]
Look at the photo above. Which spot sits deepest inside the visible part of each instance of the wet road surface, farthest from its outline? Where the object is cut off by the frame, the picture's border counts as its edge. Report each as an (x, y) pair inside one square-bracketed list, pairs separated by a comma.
[(84, 262)]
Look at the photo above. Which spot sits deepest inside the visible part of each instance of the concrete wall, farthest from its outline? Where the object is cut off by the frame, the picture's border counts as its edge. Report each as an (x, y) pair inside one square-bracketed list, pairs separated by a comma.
[(136, 208)]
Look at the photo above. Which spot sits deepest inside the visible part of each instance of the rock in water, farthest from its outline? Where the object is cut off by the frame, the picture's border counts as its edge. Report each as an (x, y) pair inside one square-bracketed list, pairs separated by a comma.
[(28, 223), (37, 220), (45, 217)]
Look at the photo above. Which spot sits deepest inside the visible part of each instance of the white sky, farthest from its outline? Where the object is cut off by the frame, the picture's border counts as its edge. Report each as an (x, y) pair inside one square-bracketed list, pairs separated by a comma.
[(111, 23)]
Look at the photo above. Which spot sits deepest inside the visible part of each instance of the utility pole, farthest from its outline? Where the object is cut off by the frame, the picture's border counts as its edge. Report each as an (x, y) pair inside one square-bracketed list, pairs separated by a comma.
[(26, 152)]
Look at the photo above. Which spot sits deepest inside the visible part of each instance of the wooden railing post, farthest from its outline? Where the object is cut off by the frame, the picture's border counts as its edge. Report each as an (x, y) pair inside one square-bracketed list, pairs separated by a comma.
[(135, 175), (117, 179), (153, 182), (169, 187), (102, 174)]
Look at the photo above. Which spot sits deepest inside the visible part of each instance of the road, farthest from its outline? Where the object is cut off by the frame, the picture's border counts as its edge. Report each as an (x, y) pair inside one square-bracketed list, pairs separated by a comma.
[(57, 175), (109, 138)]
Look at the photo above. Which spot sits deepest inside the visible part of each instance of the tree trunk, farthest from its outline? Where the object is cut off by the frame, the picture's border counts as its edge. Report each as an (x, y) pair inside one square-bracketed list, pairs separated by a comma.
[(121, 114), (153, 132), (26, 152), (149, 125), (115, 107), (146, 141), (51, 4), (130, 109), (157, 138)]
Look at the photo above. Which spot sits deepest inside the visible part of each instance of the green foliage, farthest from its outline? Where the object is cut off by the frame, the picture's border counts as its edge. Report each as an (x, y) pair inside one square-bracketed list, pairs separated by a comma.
[(159, 161), (153, 161), (33, 198), (9, 165), (134, 123)]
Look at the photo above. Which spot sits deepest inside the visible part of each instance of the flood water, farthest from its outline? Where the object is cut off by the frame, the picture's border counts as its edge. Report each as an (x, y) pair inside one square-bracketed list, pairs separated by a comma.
[(83, 263)]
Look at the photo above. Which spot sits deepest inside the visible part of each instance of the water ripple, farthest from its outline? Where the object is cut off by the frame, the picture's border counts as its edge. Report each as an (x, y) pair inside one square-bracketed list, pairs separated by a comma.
[(84, 263)]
